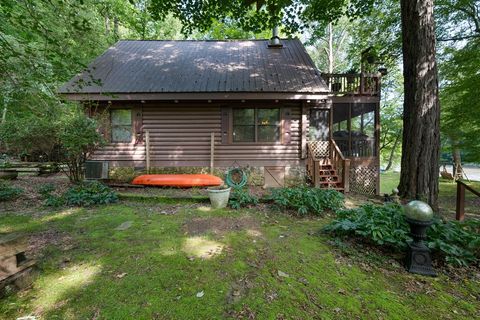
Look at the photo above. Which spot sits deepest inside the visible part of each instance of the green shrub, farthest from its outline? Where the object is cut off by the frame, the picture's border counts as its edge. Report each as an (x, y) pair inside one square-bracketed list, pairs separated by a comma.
[(455, 242), (379, 224), (50, 200), (241, 198), (46, 190), (88, 194), (8, 192), (307, 200), (79, 137), (459, 242)]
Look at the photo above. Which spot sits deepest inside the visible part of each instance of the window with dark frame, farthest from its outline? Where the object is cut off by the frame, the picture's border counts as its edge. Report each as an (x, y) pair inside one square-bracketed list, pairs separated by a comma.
[(121, 124), (256, 125)]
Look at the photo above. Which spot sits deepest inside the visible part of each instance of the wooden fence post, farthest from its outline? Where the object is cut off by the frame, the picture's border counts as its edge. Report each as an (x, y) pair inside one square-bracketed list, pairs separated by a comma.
[(460, 212), (212, 150), (147, 150)]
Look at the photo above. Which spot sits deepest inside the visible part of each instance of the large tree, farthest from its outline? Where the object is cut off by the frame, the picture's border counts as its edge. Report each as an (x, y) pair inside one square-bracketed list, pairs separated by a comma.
[(421, 116)]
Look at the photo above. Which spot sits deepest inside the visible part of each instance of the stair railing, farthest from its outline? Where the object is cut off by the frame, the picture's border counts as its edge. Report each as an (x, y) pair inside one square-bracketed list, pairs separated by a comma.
[(342, 165), (313, 166)]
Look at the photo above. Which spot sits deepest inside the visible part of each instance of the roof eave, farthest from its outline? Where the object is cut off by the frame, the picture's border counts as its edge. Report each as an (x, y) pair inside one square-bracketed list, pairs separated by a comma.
[(195, 96)]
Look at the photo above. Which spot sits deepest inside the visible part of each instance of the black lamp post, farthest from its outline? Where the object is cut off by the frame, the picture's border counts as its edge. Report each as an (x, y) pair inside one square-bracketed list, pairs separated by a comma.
[(419, 216)]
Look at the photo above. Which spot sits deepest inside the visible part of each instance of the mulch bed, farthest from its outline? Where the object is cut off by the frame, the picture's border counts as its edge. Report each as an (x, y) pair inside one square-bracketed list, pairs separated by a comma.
[(30, 198)]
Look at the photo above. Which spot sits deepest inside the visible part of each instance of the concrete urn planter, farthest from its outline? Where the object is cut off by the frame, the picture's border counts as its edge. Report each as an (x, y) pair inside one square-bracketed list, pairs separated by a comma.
[(219, 196)]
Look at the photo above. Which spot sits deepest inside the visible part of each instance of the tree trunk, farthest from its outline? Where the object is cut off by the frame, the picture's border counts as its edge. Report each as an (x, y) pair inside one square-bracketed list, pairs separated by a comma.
[(392, 152), (107, 25), (330, 48), (421, 133), (115, 28), (457, 164)]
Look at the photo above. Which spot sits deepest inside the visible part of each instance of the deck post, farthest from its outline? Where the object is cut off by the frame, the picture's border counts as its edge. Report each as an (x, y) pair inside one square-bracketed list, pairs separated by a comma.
[(460, 210), (316, 173), (212, 149), (346, 176), (147, 150)]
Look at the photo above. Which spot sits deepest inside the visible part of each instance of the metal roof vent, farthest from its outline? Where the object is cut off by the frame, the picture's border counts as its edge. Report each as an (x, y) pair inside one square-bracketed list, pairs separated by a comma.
[(275, 39)]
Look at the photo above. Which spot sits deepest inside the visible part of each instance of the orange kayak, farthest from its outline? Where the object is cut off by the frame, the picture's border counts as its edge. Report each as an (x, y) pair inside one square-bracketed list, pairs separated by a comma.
[(178, 180)]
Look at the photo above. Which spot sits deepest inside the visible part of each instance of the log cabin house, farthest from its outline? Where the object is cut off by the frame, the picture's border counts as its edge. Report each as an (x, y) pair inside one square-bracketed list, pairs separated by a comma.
[(191, 105)]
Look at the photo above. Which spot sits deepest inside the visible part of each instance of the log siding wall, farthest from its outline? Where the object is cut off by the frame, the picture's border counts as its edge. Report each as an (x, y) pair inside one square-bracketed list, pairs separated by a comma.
[(180, 136)]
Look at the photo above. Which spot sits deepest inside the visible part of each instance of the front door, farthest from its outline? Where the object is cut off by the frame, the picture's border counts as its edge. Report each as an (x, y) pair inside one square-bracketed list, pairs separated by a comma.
[(319, 133), (319, 128)]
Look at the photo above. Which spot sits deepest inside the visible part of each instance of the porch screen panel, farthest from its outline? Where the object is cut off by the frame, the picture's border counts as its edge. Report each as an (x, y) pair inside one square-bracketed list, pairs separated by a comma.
[(354, 129), (363, 130), (341, 127)]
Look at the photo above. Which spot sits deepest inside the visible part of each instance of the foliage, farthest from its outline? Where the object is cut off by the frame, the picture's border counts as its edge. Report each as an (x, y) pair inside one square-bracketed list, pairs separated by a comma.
[(258, 15), (89, 193), (242, 198), (46, 189), (307, 200), (8, 192), (30, 135), (50, 200), (382, 225), (457, 242), (78, 138)]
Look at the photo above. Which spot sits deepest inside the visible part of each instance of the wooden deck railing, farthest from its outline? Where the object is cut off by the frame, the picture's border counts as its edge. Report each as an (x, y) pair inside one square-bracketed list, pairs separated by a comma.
[(461, 186), (354, 84), (341, 164)]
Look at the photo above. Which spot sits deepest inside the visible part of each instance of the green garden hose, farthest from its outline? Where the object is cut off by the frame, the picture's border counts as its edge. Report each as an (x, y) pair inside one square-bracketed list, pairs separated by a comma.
[(229, 178)]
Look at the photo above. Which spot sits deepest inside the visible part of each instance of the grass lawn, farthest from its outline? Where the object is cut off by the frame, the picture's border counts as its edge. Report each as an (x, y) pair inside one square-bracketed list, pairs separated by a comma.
[(183, 261), (447, 195)]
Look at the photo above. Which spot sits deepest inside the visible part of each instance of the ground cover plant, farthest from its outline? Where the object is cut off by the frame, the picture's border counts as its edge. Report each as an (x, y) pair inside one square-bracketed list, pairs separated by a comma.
[(306, 200), (84, 194), (181, 260), (242, 198), (8, 192), (454, 242)]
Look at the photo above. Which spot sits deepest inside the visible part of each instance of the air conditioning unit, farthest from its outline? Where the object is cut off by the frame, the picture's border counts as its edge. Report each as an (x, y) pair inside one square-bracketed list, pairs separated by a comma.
[(95, 170)]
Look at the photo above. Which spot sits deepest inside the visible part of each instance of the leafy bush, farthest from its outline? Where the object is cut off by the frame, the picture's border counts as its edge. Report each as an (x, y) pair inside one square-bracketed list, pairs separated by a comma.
[(8, 192), (88, 194), (380, 224), (50, 200), (307, 200), (456, 242), (83, 195), (78, 138), (46, 189), (241, 198)]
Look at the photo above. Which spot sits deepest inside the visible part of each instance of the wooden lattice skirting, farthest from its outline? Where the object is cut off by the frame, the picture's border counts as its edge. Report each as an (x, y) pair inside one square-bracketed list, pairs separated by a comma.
[(363, 179)]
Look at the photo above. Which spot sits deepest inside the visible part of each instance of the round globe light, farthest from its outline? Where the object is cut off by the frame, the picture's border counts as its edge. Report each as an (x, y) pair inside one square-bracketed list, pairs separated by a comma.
[(418, 210)]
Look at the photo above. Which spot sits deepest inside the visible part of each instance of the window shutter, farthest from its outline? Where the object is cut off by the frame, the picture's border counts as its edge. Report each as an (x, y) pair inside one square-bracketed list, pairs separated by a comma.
[(225, 124), (287, 124)]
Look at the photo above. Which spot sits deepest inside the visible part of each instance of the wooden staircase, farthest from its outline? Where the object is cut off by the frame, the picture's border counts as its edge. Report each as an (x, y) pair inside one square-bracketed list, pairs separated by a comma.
[(327, 168)]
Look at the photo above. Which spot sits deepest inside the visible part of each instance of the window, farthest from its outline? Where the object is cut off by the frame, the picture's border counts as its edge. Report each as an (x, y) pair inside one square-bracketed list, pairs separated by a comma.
[(121, 122), (256, 125)]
